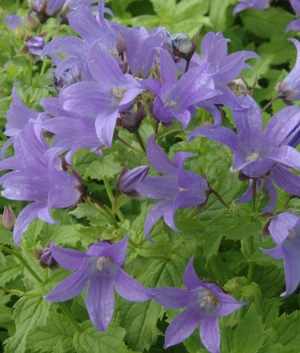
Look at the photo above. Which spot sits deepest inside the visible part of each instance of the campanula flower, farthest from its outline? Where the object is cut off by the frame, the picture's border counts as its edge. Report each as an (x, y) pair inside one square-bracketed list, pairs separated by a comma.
[(251, 4), (294, 25), (129, 180), (100, 269), (203, 303)]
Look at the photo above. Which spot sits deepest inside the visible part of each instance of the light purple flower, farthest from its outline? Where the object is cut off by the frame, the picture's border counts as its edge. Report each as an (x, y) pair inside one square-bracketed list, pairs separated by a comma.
[(177, 188), (114, 93), (257, 151), (129, 180), (203, 303), (35, 45), (294, 25), (176, 99), (37, 176), (251, 4), (13, 21), (289, 88), (46, 8), (100, 269), (285, 232)]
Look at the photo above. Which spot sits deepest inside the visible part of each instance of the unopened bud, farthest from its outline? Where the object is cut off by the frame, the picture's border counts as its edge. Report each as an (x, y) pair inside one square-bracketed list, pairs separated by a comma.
[(181, 45), (131, 120), (46, 258), (8, 218)]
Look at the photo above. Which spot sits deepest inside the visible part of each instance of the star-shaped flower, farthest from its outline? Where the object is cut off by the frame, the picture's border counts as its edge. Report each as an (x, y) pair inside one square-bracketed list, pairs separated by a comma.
[(203, 303), (100, 269)]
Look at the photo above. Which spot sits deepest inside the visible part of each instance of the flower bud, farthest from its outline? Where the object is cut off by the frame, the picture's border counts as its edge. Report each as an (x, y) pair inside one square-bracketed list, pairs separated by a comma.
[(45, 8), (181, 45), (131, 120), (8, 218), (128, 181), (46, 258), (34, 46)]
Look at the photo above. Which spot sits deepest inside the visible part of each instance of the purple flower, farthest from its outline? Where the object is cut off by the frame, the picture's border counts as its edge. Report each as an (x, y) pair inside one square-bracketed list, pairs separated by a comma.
[(251, 4), (285, 232), (46, 8), (176, 99), (294, 25), (257, 151), (13, 21), (100, 269), (114, 93), (35, 45), (203, 303), (38, 176), (177, 188), (129, 180), (289, 88)]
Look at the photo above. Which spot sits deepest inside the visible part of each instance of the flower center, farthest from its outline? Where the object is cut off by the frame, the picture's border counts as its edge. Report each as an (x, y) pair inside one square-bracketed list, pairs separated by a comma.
[(292, 233), (118, 92), (253, 157), (101, 263), (209, 302), (170, 104)]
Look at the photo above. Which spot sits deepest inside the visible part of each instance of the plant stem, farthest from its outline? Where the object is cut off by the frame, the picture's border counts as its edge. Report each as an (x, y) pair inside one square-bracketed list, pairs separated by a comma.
[(270, 103), (69, 315), (56, 31), (23, 261), (140, 141), (111, 197), (127, 144), (219, 198), (287, 202), (20, 293), (251, 264), (106, 214), (254, 195), (187, 65)]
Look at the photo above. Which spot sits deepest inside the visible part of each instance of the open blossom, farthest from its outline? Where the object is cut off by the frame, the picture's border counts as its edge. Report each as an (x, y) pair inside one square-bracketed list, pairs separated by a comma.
[(100, 269), (37, 176), (289, 88), (285, 232), (251, 4), (203, 303), (177, 188), (255, 150)]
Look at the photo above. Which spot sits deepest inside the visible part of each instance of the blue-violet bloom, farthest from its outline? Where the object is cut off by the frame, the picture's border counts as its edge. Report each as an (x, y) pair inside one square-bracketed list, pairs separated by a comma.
[(294, 25), (285, 232), (100, 269), (203, 303), (251, 4)]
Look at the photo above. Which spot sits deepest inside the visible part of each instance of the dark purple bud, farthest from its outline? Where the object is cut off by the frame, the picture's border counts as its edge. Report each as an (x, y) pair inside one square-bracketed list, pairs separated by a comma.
[(181, 45), (131, 120), (242, 177), (46, 258), (8, 218), (128, 181)]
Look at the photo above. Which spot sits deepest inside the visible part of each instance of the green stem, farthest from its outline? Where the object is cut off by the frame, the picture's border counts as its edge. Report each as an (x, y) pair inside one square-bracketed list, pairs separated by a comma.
[(140, 141), (111, 198), (251, 264), (3, 137), (219, 198), (127, 144), (20, 293), (287, 202), (270, 103), (29, 81), (254, 195), (69, 315), (23, 261), (191, 214), (106, 214)]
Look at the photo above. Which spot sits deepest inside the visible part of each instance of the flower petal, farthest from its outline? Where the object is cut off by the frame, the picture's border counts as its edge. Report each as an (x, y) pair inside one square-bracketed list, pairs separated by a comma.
[(228, 304), (210, 334), (68, 258), (172, 298), (130, 289), (190, 278)]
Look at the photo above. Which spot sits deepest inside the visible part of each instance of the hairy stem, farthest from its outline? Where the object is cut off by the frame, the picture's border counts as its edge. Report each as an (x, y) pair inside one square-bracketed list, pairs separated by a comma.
[(219, 198), (111, 197), (270, 103)]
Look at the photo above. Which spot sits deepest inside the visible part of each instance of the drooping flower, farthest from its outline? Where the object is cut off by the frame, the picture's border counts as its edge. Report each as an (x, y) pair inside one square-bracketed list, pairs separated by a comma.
[(289, 88), (100, 269), (37, 176), (203, 303), (285, 232), (257, 151), (177, 188), (251, 4), (294, 25)]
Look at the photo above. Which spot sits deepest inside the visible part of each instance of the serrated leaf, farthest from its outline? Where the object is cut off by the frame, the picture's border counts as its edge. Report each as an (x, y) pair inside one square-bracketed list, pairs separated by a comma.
[(43, 338), (29, 312), (5, 236), (11, 271), (270, 279), (103, 168), (266, 24), (90, 340), (269, 311), (249, 334), (64, 235)]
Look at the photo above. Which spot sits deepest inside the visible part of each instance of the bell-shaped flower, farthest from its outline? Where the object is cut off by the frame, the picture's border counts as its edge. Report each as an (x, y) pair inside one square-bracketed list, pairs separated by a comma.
[(177, 188), (289, 88), (100, 269), (294, 25), (251, 4), (203, 303), (176, 99), (285, 232), (37, 176), (256, 151), (112, 94)]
